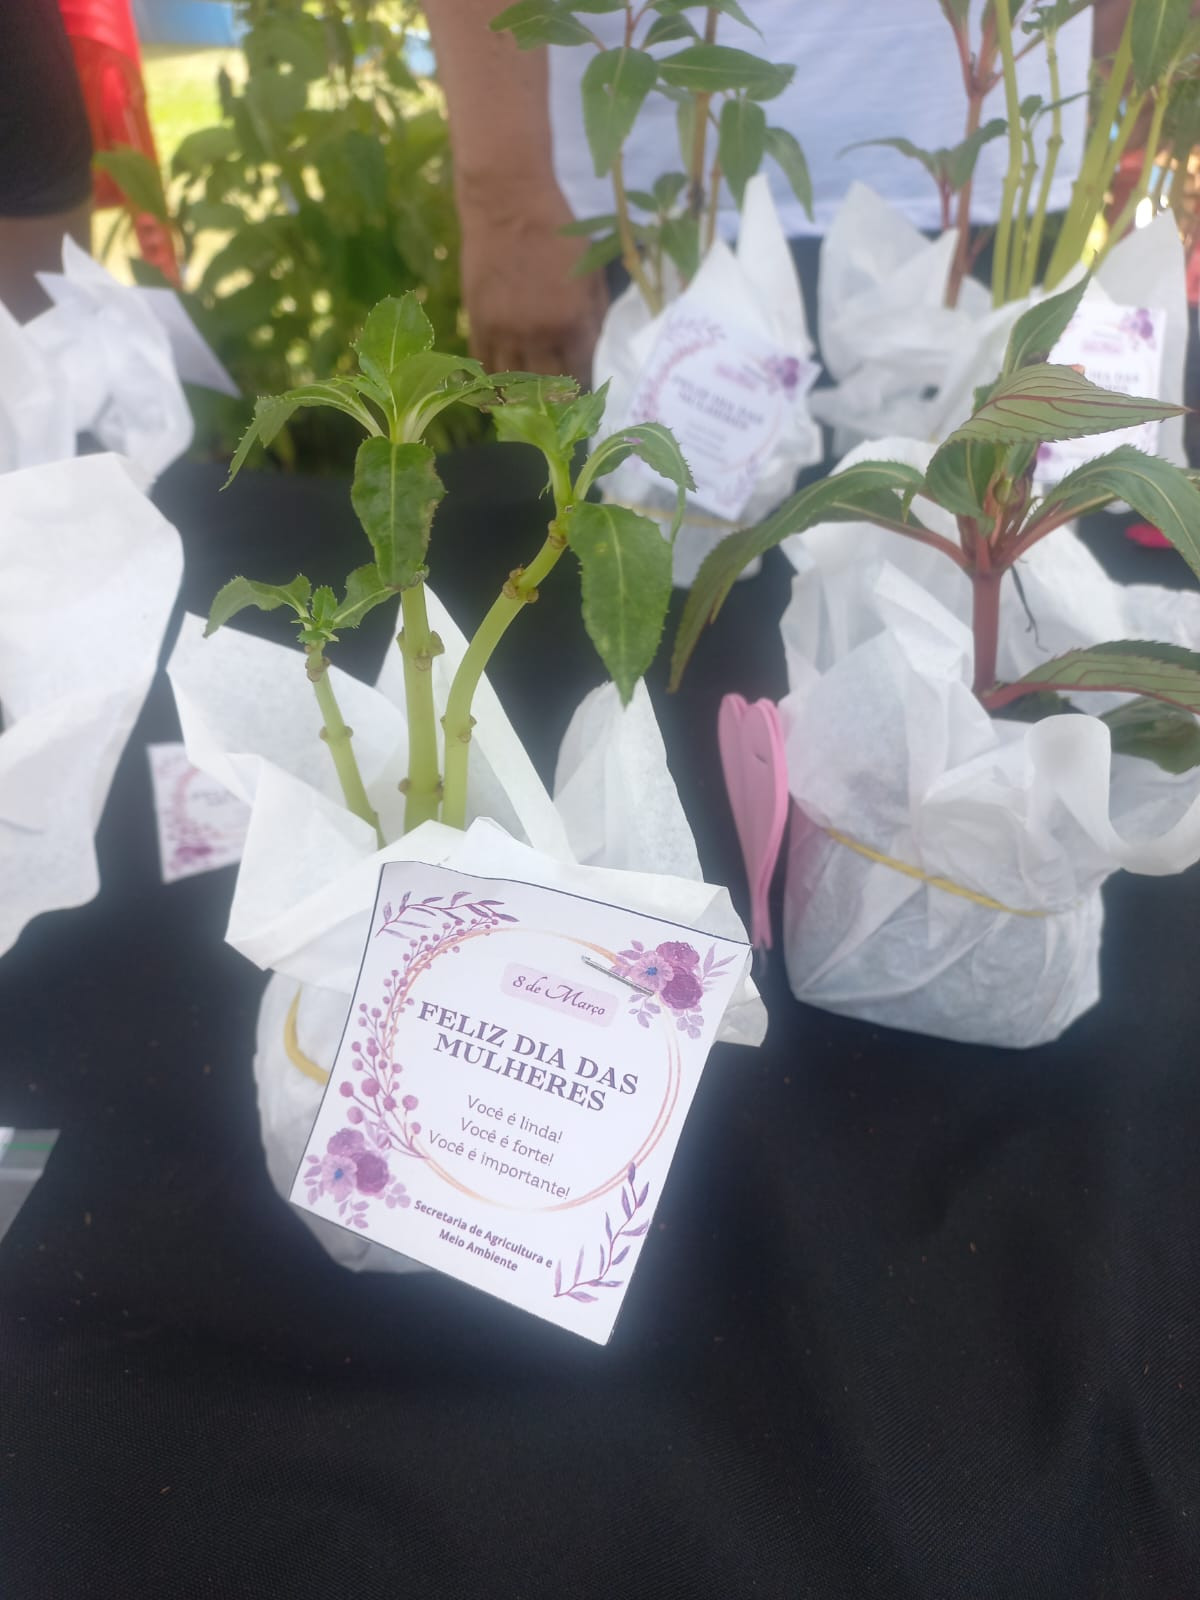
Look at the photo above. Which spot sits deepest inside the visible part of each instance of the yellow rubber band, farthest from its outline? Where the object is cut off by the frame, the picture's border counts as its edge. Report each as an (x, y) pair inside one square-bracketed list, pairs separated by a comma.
[(291, 1043), (933, 881)]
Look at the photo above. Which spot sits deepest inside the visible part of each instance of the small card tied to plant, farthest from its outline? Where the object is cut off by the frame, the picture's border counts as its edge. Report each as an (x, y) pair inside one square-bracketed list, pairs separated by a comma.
[(513, 1079), (201, 826)]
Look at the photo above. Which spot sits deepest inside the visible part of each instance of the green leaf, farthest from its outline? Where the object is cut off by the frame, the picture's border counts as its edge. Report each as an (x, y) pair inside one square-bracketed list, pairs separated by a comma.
[(538, 22), (1156, 732), (1161, 493), (784, 148), (614, 88), (869, 491), (641, 200), (271, 412), (580, 419), (239, 593), (365, 590), (1165, 672), (685, 124), (626, 573), (741, 142), (395, 493), (914, 152), (1038, 330), (719, 69), (1156, 33), (204, 148), (959, 474), (664, 29), (138, 179), (583, 227), (394, 330), (668, 188), (959, 160), (729, 8), (654, 444), (1050, 402), (424, 385), (680, 238), (598, 254)]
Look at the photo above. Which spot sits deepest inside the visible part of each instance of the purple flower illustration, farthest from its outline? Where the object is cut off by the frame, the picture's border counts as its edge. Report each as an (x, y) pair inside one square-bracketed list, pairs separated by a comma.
[(335, 1176), (783, 372), (679, 955), (347, 1143), (649, 969), (371, 1173), (682, 992)]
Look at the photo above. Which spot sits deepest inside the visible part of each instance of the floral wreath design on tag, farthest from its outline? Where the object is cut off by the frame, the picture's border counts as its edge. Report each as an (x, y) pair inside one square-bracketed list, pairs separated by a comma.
[(356, 1167), (671, 979), (613, 1251)]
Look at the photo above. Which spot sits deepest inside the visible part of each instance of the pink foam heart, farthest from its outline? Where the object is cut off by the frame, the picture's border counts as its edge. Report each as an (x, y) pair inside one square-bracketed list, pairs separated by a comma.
[(750, 737)]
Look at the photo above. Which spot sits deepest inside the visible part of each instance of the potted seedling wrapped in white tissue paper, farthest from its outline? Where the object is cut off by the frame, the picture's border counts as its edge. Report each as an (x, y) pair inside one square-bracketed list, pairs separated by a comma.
[(712, 342), (343, 777), (974, 741)]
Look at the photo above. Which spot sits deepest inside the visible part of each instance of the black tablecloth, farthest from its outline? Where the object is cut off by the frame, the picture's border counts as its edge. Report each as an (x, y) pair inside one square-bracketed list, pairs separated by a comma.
[(914, 1319)]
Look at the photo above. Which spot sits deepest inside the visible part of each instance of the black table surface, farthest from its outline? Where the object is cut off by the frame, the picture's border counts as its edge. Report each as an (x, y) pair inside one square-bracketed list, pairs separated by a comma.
[(914, 1319)]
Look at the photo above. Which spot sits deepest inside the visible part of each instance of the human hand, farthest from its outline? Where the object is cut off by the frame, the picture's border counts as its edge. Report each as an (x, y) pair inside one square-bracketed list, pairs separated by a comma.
[(525, 311)]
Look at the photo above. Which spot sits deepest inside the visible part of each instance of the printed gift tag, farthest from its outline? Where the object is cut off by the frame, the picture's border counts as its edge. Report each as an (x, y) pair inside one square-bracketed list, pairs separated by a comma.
[(201, 826), (1119, 348), (725, 393), (512, 1083)]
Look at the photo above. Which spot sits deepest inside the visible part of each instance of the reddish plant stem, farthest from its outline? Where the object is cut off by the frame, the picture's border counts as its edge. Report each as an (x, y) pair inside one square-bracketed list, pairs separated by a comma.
[(979, 79), (985, 618)]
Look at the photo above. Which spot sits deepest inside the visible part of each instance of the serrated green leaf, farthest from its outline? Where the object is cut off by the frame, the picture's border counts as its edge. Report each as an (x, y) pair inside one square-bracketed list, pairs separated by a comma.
[(537, 22), (741, 142), (959, 474), (1165, 672), (1161, 493), (271, 412), (1044, 403), (1154, 731), (1038, 330), (365, 590), (138, 179), (1157, 28), (580, 419), (869, 491), (626, 576), (613, 89), (395, 329), (395, 493), (784, 149), (240, 593), (719, 69)]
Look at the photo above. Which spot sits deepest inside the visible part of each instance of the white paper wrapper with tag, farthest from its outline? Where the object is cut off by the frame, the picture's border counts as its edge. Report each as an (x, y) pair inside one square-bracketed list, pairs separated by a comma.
[(306, 887), (89, 571), (107, 359), (727, 365), (906, 366), (900, 777)]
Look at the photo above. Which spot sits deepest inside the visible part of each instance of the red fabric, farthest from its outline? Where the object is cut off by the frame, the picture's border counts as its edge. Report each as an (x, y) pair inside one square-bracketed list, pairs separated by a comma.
[(1145, 533), (109, 64)]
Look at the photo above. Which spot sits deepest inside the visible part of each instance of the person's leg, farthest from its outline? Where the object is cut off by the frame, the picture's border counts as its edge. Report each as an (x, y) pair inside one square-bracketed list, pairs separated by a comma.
[(45, 150)]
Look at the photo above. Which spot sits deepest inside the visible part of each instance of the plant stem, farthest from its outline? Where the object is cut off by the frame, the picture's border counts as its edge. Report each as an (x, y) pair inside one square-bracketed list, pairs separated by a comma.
[(700, 130), (1012, 105), (714, 196), (630, 255), (1099, 159), (338, 736), (1033, 239), (520, 590), (1142, 187), (977, 77), (985, 617), (418, 646)]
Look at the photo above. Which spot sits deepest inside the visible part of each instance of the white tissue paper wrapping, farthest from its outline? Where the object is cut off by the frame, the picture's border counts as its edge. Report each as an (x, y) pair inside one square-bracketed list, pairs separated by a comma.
[(754, 287), (307, 882), (906, 366), (887, 745), (104, 359), (89, 571)]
